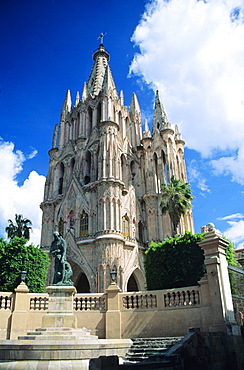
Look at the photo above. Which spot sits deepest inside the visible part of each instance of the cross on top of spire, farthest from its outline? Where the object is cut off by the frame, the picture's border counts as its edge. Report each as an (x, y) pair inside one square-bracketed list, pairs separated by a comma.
[(101, 37)]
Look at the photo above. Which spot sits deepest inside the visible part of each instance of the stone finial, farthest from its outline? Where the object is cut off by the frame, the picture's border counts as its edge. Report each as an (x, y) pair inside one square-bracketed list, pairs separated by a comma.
[(134, 105), (67, 105), (77, 99), (146, 132), (211, 226), (208, 228), (84, 92)]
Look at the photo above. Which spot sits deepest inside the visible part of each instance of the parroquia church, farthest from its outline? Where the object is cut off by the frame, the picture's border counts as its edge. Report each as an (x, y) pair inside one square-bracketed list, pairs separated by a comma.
[(103, 188)]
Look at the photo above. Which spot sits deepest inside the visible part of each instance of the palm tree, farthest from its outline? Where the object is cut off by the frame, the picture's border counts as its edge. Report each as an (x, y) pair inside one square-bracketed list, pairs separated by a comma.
[(176, 200), (21, 228)]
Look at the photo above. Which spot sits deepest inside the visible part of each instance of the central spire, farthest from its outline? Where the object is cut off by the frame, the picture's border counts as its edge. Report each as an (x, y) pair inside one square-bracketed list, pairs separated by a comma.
[(101, 79)]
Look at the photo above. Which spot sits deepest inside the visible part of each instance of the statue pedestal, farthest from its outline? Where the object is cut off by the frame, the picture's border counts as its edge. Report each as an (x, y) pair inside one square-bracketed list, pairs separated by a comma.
[(60, 307)]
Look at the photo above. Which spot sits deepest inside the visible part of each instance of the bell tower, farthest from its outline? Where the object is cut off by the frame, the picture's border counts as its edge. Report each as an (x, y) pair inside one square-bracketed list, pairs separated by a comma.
[(103, 188)]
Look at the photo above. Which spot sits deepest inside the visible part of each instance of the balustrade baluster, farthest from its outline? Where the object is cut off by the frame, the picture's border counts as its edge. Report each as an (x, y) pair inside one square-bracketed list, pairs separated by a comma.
[(130, 302), (171, 300), (187, 299), (155, 301), (166, 300), (182, 298), (177, 299)]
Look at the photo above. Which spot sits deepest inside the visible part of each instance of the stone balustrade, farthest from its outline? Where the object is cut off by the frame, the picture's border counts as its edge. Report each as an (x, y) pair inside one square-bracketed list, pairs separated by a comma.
[(39, 302), (141, 300), (5, 300), (84, 302), (182, 297)]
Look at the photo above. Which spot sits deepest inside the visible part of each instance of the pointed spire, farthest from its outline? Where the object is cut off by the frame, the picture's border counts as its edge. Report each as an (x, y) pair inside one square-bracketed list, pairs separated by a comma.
[(134, 105), (160, 117), (84, 92), (178, 137), (146, 132), (55, 135), (108, 83), (121, 97), (67, 105), (100, 77), (77, 99)]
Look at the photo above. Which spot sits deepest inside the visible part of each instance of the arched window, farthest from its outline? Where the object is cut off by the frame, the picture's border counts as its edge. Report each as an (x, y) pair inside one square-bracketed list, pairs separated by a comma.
[(125, 226), (72, 164), (99, 113), (60, 175), (157, 182), (165, 168), (140, 231), (61, 226), (89, 123), (84, 223), (87, 178)]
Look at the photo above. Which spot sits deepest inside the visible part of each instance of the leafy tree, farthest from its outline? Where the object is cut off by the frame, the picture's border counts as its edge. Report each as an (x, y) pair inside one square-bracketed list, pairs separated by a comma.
[(176, 200), (15, 257), (176, 262), (230, 257), (21, 228)]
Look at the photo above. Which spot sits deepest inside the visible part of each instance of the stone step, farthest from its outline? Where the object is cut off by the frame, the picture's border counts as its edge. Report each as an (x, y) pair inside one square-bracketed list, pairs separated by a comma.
[(57, 337), (58, 334), (145, 348)]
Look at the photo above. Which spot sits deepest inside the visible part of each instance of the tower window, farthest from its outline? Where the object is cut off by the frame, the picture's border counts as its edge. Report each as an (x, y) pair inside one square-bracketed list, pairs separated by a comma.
[(61, 226), (125, 225), (83, 224)]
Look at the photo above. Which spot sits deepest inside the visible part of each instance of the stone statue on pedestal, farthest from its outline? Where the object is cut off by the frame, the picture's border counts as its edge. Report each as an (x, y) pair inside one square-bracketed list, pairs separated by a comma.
[(62, 268)]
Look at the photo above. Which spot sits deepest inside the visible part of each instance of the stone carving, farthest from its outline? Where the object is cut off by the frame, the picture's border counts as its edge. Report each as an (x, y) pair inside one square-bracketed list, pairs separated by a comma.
[(62, 268)]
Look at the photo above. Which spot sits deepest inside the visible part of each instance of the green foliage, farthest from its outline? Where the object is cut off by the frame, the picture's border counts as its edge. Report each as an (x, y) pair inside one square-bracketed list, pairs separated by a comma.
[(230, 257), (176, 262), (176, 200), (16, 256), (22, 227)]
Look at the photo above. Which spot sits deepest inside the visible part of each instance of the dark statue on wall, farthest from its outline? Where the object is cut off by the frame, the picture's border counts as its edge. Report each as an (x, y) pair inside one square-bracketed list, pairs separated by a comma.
[(62, 269)]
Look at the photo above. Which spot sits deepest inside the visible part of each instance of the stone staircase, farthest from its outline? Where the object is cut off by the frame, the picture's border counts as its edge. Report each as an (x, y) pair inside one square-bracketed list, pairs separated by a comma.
[(150, 353)]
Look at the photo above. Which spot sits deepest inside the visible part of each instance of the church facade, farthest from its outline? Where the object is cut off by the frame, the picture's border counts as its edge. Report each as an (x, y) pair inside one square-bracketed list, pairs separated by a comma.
[(103, 188)]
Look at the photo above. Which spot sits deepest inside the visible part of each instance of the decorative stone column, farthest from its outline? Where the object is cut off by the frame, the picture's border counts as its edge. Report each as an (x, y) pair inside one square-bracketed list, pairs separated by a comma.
[(60, 307), (223, 319), (20, 312), (113, 315)]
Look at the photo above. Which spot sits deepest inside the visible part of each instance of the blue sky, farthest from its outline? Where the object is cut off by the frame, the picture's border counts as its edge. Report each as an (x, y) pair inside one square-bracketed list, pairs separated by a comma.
[(192, 51)]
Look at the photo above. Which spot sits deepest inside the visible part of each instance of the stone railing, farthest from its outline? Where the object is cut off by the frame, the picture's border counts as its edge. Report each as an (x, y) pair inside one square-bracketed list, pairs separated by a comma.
[(142, 301), (179, 297), (85, 302), (6, 301), (182, 297), (39, 302)]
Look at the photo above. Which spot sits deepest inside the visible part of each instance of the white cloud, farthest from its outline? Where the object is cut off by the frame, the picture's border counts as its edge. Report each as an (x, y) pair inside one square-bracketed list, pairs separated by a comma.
[(235, 230), (193, 52), (196, 175), (235, 233), (231, 217), (15, 199), (232, 165)]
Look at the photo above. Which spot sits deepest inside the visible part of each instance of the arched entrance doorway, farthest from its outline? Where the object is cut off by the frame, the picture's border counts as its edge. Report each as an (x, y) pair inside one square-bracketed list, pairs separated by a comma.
[(136, 281), (132, 284), (79, 278), (83, 286)]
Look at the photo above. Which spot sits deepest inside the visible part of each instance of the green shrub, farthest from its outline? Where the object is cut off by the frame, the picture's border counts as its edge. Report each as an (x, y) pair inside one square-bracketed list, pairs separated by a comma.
[(16, 256), (176, 262)]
